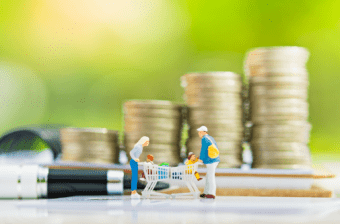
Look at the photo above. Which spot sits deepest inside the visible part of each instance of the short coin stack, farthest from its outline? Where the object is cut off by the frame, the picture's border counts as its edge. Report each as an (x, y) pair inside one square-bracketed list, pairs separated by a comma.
[(278, 90), (161, 121), (92, 145), (214, 100)]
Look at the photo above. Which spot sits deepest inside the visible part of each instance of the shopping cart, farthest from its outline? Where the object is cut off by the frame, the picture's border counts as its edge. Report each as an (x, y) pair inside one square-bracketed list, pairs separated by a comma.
[(154, 173)]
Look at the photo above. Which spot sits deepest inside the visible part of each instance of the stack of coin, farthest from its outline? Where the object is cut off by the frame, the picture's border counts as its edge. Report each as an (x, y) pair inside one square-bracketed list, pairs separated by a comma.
[(215, 100), (278, 91), (161, 121), (92, 145)]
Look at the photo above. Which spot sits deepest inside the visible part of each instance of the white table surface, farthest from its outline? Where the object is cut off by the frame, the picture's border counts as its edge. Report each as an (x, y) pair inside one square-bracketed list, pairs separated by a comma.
[(121, 209)]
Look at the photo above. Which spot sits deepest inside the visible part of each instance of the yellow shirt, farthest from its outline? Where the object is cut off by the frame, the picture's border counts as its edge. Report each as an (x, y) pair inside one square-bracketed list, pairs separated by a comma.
[(190, 162)]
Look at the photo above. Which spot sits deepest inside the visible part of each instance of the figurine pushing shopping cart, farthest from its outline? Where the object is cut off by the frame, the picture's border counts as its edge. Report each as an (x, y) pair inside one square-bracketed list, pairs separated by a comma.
[(155, 173)]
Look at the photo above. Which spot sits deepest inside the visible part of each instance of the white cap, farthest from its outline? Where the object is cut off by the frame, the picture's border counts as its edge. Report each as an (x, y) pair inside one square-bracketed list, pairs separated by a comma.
[(203, 128), (190, 153)]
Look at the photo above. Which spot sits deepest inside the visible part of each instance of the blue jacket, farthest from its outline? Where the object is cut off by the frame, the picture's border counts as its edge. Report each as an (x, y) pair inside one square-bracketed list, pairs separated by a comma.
[(204, 150)]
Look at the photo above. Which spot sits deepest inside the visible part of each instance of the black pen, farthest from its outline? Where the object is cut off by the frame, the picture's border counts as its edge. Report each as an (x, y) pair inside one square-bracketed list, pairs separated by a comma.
[(34, 181)]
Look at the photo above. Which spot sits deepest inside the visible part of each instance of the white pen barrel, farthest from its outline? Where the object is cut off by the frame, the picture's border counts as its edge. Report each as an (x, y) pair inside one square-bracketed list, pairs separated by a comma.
[(26, 181), (9, 176)]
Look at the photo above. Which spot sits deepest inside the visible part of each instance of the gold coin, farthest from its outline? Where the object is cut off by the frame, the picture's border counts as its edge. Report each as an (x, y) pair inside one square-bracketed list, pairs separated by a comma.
[(157, 113), (152, 104)]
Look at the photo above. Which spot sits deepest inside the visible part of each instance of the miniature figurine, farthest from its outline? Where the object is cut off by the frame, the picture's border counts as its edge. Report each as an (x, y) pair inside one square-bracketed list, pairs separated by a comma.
[(192, 160), (210, 156), (135, 153), (149, 160)]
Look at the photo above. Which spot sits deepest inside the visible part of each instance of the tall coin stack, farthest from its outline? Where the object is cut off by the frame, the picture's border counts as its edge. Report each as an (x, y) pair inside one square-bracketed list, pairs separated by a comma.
[(278, 89), (161, 121), (92, 145), (214, 100)]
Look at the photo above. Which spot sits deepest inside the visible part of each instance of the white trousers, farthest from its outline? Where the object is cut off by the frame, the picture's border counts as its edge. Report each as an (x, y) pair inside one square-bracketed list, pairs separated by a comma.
[(210, 182)]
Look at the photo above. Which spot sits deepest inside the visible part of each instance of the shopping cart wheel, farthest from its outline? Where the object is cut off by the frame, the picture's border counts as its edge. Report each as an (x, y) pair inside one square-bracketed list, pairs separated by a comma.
[(144, 194)]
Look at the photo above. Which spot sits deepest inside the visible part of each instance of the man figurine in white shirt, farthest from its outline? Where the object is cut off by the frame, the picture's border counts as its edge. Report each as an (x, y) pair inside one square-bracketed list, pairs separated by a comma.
[(210, 183)]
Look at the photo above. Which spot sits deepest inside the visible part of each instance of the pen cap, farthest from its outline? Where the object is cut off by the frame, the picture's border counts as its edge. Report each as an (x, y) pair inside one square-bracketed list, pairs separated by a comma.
[(27, 181)]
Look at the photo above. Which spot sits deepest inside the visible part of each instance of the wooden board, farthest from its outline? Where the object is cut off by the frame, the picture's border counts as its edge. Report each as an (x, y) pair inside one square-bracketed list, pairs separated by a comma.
[(315, 191), (128, 171), (314, 176)]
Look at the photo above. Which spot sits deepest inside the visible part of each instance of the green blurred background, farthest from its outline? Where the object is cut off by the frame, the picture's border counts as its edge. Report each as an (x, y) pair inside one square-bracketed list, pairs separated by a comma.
[(75, 62)]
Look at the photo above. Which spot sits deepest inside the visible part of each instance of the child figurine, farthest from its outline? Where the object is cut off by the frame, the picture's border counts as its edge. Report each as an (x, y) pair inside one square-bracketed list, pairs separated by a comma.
[(149, 160), (192, 160)]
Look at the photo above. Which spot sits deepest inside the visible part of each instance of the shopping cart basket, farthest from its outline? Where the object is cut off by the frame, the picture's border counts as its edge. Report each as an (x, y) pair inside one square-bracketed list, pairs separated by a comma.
[(184, 173)]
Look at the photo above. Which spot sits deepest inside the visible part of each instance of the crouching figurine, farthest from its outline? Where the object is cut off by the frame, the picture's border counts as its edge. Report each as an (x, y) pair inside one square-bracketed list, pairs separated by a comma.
[(192, 160)]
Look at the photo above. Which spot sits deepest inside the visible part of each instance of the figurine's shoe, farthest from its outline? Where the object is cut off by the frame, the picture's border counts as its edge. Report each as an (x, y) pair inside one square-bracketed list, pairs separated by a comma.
[(199, 179), (210, 196), (135, 196), (202, 195)]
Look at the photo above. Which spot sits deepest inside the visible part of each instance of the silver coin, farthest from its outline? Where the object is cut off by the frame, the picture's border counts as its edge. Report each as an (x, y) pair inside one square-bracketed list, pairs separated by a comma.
[(277, 119), (277, 54), (301, 136), (215, 83), (280, 154), (215, 104), (213, 117), (278, 81), (267, 145), (135, 123), (214, 123), (156, 147), (205, 76), (155, 137), (232, 160), (236, 152), (277, 93), (146, 112), (259, 89), (220, 137), (213, 99), (142, 128), (218, 133), (133, 119), (80, 153), (227, 107), (268, 129), (199, 89), (262, 71), (278, 111), (152, 104), (232, 111), (214, 95), (283, 160), (281, 103), (286, 138), (219, 130), (88, 134)]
